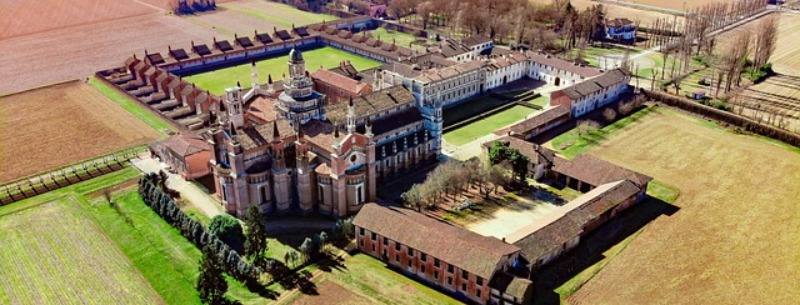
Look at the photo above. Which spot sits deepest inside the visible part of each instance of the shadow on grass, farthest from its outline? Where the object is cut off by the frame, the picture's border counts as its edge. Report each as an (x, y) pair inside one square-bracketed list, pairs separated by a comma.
[(564, 272)]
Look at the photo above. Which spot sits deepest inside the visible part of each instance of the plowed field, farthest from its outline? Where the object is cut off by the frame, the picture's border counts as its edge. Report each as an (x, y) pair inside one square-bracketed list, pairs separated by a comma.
[(34, 60), (60, 125), (21, 17)]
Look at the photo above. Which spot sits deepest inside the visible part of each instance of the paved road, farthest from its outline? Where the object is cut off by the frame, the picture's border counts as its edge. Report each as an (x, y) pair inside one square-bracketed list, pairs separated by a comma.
[(189, 191)]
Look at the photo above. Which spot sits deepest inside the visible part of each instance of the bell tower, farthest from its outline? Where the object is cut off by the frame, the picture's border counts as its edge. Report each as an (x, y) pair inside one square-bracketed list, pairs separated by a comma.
[(234, 105)]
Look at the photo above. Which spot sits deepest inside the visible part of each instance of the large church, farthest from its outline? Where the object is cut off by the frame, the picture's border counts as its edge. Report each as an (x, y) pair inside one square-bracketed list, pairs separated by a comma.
[(287, 152)]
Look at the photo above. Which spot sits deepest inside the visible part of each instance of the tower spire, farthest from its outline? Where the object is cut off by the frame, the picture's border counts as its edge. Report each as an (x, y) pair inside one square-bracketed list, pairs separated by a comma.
[(351, 116), (276, 136)]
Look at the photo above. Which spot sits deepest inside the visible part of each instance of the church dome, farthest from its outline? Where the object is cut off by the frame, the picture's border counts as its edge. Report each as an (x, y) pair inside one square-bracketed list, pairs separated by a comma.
[(295, 55)]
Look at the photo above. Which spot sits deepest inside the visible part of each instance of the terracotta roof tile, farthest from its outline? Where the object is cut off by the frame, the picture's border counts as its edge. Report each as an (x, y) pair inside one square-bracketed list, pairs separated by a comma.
[(469, 251), (596, 171), (339, 81)]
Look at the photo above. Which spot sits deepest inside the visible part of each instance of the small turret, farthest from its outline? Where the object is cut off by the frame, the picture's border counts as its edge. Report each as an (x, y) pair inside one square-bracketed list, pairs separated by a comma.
[(351, 116), (276, 136), (368, 128)]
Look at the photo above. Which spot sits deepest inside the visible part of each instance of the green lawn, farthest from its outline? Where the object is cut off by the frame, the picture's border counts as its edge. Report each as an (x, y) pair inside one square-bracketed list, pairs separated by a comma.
[(402, 39), (475, 130), (663, 192), (541, 101), (216, 81), (368, 276), (131, 106), (592, 53), (166, 260), (570, 144), (280, 15)]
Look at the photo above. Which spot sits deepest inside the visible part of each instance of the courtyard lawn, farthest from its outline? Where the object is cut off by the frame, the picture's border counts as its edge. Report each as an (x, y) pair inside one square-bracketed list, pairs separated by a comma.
[(368, 276), (570, 144), (402, 39), (216, 81), (485, 126), (131, 106)]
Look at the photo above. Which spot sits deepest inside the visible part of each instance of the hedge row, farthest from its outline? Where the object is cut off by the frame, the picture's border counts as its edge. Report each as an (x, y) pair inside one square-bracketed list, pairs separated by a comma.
[(152, 192)]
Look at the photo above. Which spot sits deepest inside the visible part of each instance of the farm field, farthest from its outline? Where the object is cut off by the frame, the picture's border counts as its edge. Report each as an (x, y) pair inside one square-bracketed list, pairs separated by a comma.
[(779, 93), (333, 294), (786, 59), (734, 231), (644, 17), (160, 254), (31, 60), (273, 14), (16, 16), (485, 126), (52, 254), (63, 124), (216, 81)]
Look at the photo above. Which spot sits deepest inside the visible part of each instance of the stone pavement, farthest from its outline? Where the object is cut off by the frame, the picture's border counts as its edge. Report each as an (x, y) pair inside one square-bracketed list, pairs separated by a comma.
[(189, 191)]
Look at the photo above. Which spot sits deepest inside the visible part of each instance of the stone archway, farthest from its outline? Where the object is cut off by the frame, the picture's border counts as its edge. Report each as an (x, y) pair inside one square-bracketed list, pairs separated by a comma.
[(558, 81)]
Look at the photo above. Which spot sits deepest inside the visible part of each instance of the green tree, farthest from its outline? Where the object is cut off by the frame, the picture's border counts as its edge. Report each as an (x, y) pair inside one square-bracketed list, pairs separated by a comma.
[(255, 243), (519, 164), (228, 229), (307, 247), (211, 284), (497, 153)]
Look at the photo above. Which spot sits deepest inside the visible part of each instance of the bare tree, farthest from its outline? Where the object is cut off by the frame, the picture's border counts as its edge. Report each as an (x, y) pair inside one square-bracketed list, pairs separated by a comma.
[(766, 39)]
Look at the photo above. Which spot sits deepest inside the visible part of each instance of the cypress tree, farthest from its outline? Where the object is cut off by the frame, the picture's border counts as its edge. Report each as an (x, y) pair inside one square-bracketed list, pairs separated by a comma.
[(211, 284)]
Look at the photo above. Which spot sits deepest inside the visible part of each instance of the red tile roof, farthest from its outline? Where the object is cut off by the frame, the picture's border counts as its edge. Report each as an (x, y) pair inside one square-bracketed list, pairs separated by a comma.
[(351, 86), (596, 171), (469, 251)]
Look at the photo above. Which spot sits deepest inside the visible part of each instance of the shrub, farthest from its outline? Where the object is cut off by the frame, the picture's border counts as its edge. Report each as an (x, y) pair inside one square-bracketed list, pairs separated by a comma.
[(228, 229)]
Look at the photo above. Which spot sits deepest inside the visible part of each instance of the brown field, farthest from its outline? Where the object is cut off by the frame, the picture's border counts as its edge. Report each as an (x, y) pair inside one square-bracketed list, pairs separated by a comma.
[(27, 17), (778, 94), (786, 59), (245, 16), (333, 294), (644, 17), (61, 125), (734, 239), (34, 60), (671, 5)]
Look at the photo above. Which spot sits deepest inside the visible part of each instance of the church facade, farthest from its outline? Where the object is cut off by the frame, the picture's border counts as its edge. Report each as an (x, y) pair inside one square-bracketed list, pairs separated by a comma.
[(298, 159)]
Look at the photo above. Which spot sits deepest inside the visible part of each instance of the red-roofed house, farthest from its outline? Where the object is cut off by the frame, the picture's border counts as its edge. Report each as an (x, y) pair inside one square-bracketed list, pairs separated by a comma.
[(187, 155), (337, 87)]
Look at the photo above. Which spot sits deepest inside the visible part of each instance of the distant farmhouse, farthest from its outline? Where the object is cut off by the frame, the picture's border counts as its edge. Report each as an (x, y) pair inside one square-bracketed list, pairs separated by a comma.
[(320, 142), (620, 29)]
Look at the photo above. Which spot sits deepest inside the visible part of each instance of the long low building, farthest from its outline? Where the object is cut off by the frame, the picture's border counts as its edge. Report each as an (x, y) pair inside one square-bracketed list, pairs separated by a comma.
[(472, 267), (560, 231), (592, 94)]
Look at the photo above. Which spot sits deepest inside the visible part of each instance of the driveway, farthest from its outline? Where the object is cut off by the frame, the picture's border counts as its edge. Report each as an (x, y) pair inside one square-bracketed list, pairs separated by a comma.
[(193, 194)]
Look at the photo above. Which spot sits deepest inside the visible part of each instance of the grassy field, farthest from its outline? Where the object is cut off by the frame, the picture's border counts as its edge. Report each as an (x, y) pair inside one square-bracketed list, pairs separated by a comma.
[(63, 124), (402, 39), (131, 106), (571, 144), (52, 254), (734, 231), (369, 277), (166, 260), (217, 81), (278, 14), (477, 129)]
